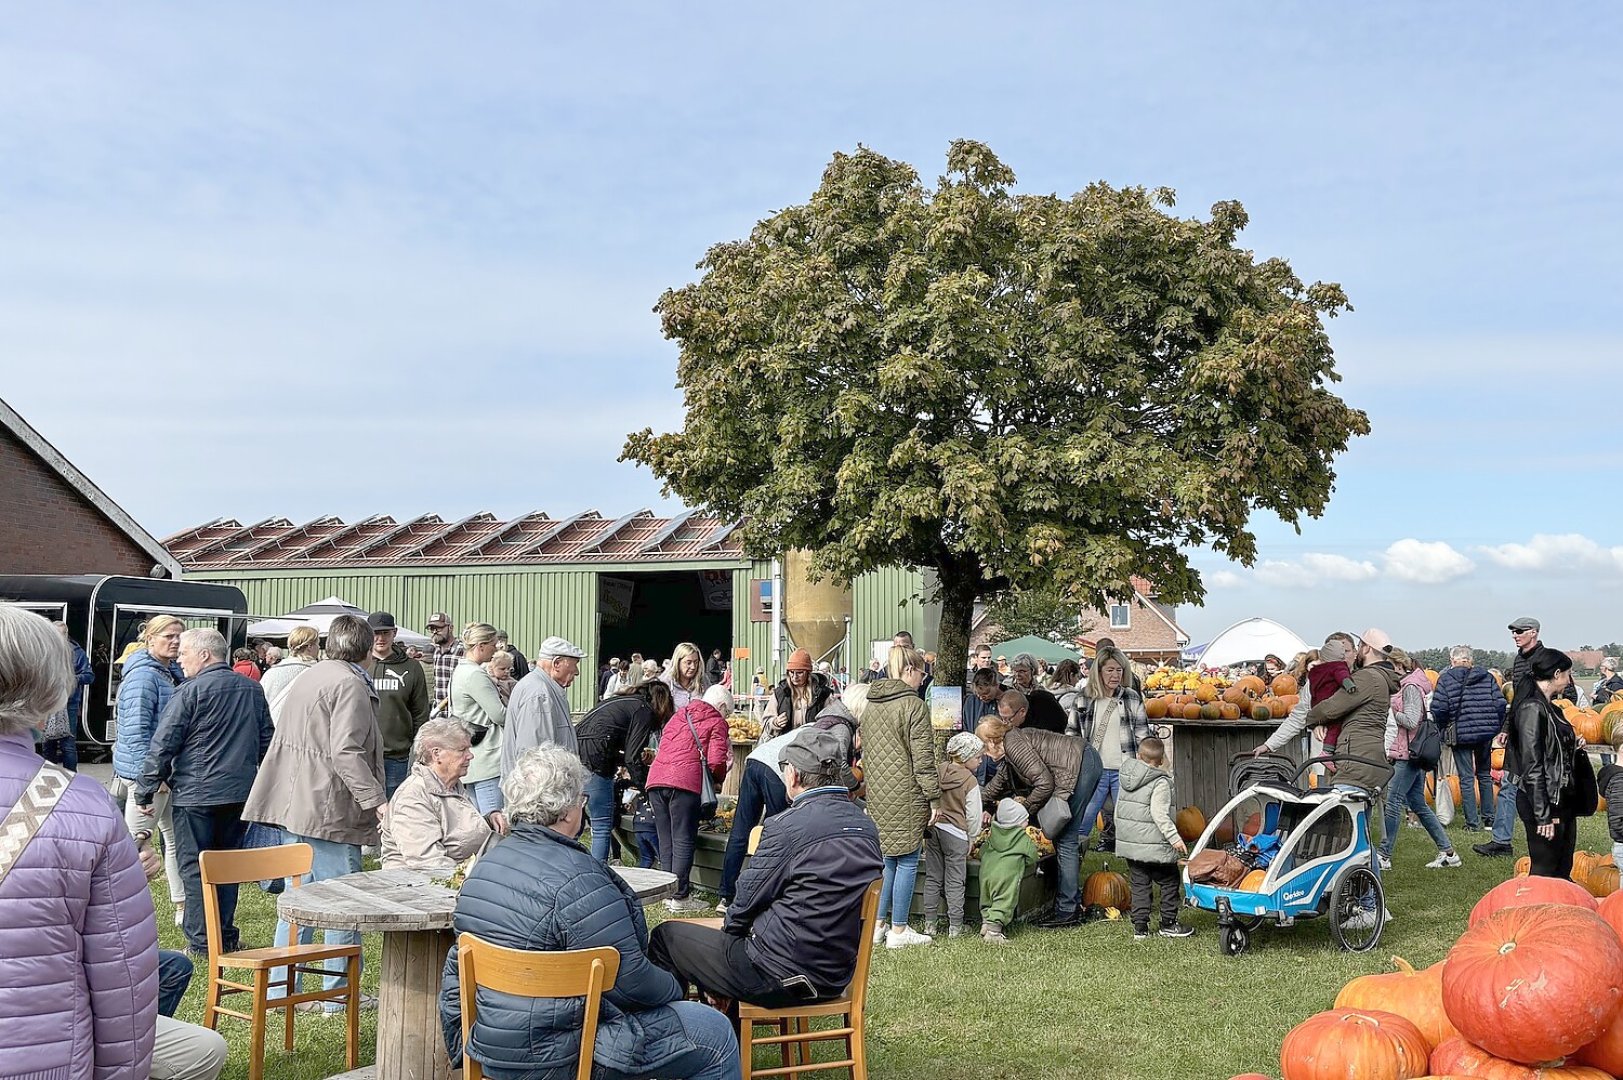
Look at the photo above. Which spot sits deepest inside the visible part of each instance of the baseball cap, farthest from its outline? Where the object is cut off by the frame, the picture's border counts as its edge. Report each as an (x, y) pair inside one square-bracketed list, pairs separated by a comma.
[(812, 750), (557, 646), (1378, 640), (380, 620), (1524, 623), (439, 618)]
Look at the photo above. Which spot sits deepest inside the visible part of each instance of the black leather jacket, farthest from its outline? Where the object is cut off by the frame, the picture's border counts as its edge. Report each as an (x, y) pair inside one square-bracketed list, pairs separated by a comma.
[(1539, 755)]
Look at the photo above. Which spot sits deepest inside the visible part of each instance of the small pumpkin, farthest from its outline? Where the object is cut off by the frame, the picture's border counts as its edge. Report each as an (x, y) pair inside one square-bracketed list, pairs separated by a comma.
[(1229, 711), (1205, 692), (1106, 888), (1520, 892), (1603, 880), (1190, 822), (1524, 866), (1282, 685), (1354, 1043), (1211, 711), (1497, 758), (1533, 984), (1252, 881), (1261, 712), (1236, 696), (1155, 708), (1251, 684), (1191, 711), (1456, 1057), (1417, 996)]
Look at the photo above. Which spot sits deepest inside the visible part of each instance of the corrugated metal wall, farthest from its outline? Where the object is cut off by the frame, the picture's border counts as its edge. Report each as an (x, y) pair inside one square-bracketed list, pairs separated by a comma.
[(883, 602), (755, 636)]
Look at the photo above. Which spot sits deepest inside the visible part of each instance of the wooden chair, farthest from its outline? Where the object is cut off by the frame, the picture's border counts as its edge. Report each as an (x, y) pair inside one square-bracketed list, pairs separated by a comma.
[(793, 1024), (291, 861), (581, 973)]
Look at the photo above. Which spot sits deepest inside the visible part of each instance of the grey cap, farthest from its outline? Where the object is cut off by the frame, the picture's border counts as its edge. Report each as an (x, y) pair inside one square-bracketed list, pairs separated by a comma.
[(1524, 623), (812, 750), (557, 646)]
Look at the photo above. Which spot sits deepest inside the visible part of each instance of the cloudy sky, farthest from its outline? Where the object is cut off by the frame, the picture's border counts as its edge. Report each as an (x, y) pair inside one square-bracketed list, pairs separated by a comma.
[(237, 245)]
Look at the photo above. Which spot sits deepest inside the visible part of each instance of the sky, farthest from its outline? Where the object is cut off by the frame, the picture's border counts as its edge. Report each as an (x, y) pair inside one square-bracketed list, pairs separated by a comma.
[(309, 259)]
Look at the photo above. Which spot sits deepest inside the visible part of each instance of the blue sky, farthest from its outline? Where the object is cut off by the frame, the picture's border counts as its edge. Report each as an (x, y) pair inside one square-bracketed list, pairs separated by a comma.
[(238, 246)]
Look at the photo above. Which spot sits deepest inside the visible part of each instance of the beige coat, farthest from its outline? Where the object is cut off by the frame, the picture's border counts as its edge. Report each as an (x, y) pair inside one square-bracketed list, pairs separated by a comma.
[(430, 826), (323, 774)]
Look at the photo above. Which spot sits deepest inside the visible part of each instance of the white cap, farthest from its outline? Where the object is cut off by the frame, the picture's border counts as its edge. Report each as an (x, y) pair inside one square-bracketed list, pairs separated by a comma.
[(557, 646)]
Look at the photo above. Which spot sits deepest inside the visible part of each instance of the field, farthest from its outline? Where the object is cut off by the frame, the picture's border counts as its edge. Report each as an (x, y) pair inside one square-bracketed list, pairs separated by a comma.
[(1087, 1002)]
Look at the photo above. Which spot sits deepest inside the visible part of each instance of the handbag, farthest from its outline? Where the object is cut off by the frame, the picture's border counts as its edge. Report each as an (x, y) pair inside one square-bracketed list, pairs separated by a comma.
[(1055, 816), (1214, 867), (1585, 792), (23, 821), (707, 788), (1426, 743)]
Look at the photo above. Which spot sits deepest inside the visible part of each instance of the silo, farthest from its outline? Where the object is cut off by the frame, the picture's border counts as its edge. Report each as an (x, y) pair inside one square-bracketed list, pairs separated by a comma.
[(814, 613)]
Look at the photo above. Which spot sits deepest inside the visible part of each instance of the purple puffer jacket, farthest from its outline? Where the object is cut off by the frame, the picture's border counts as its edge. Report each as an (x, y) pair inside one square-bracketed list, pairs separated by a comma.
[(78, 940)]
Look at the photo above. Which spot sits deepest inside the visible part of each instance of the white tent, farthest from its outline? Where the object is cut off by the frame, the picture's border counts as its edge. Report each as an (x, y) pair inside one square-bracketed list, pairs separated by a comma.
[(320, 615), (1248, 641)]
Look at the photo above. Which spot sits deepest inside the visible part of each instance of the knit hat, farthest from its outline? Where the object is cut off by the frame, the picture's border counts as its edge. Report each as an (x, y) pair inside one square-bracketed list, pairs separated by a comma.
[(964, 745), (1333, 650), (1010, 815), (800, 660)]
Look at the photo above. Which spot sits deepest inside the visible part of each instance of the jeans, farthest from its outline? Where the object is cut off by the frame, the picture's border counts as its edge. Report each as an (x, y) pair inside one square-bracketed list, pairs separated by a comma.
[(647, 847), (199, 829), (174, 975), (901, 872), (761, 794), (327, 860), (486, 794), (63, 752), (1109, 787), (600, 813), (1504, 813), (676, 819), (1068, 845), (395, 771), (1474, 761), (715, 1052), (946, 866), (1408, 789)]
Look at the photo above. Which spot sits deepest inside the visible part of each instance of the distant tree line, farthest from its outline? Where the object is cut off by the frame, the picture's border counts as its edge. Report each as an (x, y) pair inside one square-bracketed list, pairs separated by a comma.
[(1437, 659)]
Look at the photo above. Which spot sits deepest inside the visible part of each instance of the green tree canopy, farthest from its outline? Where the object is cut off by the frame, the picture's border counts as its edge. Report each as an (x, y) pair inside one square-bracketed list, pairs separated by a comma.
[(1011, 390)]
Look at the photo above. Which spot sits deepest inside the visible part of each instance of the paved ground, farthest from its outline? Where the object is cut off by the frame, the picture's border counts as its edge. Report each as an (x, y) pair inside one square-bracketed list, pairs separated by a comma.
[(102, 772)]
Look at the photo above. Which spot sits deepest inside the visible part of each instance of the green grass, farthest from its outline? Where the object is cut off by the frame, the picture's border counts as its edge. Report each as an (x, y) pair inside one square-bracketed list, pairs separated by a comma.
[(1088, 1002)]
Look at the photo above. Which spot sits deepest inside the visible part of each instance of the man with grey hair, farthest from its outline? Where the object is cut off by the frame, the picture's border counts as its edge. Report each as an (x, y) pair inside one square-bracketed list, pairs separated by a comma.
[(1043, 708), (538, 711), (207, 747), (1610, 684), (1470, 709)]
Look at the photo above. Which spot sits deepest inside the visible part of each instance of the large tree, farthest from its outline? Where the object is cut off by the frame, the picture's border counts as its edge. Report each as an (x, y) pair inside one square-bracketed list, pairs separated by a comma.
[(1010, 390)]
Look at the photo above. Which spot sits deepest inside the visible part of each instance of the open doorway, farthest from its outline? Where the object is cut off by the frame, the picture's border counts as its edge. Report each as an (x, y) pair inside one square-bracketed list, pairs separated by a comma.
[(652, 613)]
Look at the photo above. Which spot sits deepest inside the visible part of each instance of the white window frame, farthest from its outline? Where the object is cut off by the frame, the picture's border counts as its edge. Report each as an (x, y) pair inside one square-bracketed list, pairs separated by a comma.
[(1127, 616)]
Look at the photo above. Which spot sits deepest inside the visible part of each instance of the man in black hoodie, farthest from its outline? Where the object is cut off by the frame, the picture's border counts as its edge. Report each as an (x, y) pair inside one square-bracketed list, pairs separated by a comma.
[(403, 699)]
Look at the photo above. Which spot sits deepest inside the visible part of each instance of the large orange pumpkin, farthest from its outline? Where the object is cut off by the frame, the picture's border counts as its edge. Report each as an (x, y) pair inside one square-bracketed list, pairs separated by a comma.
[(1534, 984), (1282, 685), (1155, 708), (1587, 723), (1106, 888), (1456, 1057), (1229, 711), (1611, 909), (1519, 892), (1354, 1043), (1190, 822), (1605, 1051), (1417, 996), (1252, 685), (1205, 692)]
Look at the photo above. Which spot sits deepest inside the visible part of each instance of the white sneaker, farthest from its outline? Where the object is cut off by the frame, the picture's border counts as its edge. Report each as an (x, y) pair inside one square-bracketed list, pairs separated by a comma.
[(721, 908), (1383, 861), (180, 915), (901, 939), (879, 933), (1444, 859), (1359, 920), (675, 906)]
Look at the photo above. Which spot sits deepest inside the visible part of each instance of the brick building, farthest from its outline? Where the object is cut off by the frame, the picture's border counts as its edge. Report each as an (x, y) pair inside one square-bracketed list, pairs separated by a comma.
[(53, 520), (1141, 625)]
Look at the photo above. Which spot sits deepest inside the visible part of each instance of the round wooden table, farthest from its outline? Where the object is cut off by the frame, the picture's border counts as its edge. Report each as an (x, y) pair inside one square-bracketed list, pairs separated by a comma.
[(413, 913)]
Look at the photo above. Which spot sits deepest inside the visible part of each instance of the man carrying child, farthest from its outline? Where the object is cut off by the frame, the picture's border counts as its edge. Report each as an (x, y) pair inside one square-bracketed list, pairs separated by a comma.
[(1148, 839)]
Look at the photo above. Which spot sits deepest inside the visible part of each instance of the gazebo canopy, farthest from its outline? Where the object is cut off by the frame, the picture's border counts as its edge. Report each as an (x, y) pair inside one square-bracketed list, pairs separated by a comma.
[(1040, 647), (320, 615), (1248, 641)]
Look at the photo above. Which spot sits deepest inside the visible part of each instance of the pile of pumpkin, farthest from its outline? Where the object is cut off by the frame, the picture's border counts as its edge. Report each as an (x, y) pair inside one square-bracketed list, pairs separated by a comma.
[(1249, 697), (1594, 872), (1594, 726), (1533, 990)]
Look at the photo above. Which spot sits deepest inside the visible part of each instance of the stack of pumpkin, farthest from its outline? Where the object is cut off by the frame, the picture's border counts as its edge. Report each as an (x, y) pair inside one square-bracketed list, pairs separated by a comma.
[(1249, 697), (1533, 990), (1594, 872)]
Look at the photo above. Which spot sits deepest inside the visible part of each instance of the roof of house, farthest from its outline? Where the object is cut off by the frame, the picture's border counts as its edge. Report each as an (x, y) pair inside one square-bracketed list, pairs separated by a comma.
[(478, 539), (13, 422)]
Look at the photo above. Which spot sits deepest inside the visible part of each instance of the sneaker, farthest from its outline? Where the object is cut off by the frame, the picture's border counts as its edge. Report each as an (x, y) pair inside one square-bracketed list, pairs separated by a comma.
[(1177, 930), (993, 936), (879, 932), (1141, 933), (930, 928), (906, 936), (180, 914), (955, 931), (1493, 849), (721, 908), (1056, 921), (1444, 859), (335, 1008), (1360, 920), (685, 906), (1383, 860)]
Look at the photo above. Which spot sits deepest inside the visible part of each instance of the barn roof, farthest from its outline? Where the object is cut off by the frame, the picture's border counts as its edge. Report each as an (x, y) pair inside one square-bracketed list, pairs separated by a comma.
[(479, 539)]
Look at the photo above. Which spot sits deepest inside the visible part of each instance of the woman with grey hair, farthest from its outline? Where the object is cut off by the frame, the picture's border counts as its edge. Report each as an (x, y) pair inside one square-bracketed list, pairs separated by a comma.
[(1043, 712), (539, 890), (433, 824), (476, 702)]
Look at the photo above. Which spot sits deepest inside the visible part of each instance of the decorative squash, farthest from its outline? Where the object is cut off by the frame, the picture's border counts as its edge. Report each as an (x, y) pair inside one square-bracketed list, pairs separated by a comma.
[(1205, 692), (1190, 822), (1282, 685), (1417, 996), (1524, 866), (1535, 983), (1354, 1043), (1520, 892), (1456, 1057), (1155, 708), (1106, 888), (1261, 712), (1252, 685), (1191, 711), (1229, 711)]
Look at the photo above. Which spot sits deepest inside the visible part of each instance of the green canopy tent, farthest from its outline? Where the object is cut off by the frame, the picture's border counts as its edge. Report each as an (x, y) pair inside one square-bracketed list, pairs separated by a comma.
[(1041, 648)]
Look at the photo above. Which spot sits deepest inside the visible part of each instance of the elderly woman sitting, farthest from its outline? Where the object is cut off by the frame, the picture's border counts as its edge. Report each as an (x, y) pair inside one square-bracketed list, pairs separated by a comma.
[(432, 823), (540, 890)]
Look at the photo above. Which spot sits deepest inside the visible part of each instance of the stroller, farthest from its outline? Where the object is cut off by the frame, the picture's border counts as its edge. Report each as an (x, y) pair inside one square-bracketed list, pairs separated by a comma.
[(1303, 853)]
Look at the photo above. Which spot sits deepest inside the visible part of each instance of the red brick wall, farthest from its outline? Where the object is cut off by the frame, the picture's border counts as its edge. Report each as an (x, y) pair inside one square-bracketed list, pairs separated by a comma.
[(1147, 634), (46, 527)]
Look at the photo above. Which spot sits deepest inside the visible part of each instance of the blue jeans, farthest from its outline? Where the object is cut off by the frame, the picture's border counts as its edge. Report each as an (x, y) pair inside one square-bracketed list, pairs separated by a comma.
[(1109, 787), (328, 860), (1504, 813), (395, 771), (715, 1052), (901, 872), (1474, 762), (174, 975), (1068, 844), (1408, 789), (761, 794), (600, 813), (486, 794)]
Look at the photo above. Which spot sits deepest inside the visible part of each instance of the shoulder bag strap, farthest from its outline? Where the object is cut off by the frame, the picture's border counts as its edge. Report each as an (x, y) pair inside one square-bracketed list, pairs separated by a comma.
[(21, 825)]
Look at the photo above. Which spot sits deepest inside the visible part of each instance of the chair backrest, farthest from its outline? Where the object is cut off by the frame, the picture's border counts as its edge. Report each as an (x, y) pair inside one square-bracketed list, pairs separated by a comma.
[(858, 990), (290, 861), (580, 973), (755, 840)]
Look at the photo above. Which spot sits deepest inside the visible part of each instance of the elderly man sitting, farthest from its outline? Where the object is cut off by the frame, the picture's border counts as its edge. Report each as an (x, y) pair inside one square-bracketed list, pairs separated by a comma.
[(792, 932), (538, 711), (540, 890), (432, 824)]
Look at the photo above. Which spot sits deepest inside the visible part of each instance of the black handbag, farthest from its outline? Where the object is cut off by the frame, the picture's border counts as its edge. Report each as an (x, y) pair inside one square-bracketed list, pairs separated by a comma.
[(1585, 791)]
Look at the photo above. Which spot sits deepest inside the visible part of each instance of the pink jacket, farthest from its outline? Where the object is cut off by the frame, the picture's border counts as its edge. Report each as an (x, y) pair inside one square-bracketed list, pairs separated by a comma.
[(676, 763), (78, 940)]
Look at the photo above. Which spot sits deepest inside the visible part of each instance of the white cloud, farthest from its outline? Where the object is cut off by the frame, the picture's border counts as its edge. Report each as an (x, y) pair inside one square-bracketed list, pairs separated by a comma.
[(1425, 563), (1565, 553), (1223, 579), (1315, 568)]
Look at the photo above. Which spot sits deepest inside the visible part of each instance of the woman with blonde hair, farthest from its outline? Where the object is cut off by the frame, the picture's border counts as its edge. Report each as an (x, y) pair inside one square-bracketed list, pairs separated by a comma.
[(1109, 715), (685, 675), (303, 650), (904, 785), (150, 676), (476, 702)]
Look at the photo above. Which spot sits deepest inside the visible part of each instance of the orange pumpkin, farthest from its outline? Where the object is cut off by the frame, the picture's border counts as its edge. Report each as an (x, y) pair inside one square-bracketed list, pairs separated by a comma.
[(1236, 695), (1290, 700), (1252, 685), (1354, 1043), (1417, 996), (1520, 892), (1603, 879), (1282, 685), (1252, 881), (1497, 758), (1229, 711), (1205, 692), (1191, 711), (1456, 1057), (1155, 708), (1190, 822), (1106, 888), (1611, 909), (1431, 789), (1524, 866), (1587, 723)]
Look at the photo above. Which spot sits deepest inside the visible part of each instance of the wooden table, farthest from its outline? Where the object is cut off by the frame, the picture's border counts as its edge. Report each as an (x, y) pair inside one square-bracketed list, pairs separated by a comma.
[(1201, 750), (413, 913)]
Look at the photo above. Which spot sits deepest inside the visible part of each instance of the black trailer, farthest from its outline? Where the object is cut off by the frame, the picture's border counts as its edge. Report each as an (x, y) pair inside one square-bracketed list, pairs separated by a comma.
[(104, 613)]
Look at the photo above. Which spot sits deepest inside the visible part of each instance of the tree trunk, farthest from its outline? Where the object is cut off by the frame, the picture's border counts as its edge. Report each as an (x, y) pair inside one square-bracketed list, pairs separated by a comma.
[(958, 593)]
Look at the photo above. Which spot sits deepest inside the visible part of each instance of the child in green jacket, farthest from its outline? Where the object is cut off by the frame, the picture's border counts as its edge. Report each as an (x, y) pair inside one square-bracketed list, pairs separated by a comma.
[(1005, 857)]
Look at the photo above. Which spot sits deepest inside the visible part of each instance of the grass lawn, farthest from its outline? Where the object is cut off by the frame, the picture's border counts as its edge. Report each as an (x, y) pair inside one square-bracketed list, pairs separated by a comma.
[(1083, 1003)]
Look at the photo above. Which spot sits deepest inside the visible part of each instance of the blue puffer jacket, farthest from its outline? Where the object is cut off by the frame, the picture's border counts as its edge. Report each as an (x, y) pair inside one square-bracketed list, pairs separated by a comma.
[(536, 890), (1471, 701), (144, 693)]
